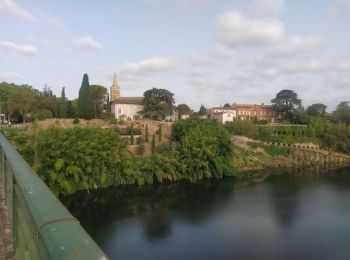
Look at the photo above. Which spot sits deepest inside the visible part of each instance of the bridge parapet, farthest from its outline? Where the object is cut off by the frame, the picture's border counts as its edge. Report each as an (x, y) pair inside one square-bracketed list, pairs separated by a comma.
[(42, 227)]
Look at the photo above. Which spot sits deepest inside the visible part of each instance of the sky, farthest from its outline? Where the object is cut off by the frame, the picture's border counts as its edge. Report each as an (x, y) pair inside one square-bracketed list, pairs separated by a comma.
[(208, 52)]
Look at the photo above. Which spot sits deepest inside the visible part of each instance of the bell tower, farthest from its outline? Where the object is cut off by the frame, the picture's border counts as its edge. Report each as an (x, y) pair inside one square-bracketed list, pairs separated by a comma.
[(115, 90)]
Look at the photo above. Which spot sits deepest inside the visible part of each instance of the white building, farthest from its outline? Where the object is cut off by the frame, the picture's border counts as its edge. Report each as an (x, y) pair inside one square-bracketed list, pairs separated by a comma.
[(223, 114), (124, 107)]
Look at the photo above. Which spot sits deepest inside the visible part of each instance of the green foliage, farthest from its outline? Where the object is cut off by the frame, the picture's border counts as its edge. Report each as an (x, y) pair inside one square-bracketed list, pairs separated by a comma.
[(140, 149), (132, 140), (153, 144), (42, 114), (163, 148), (85, 103), (205, 149), (265, 132), (160, 133), (337, 136), (113, 121), (76, 121), (99, 97), (342, 113), (147, 135), (158, 103), (202, 111), (63, 104), (183, 109), (286, 102), (242, 127), (317, 109)]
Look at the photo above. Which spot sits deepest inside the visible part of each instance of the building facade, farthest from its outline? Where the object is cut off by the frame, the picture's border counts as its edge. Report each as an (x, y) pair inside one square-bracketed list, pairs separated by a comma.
[(124, 107), (223, 114), (258, 112)]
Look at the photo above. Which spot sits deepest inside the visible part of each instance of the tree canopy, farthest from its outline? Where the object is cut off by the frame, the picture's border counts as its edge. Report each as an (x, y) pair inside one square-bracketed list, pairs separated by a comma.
[(99, 98), (342, 113), (85, 104), (158, 103), (317, 109), (183, 109), (286, 102)]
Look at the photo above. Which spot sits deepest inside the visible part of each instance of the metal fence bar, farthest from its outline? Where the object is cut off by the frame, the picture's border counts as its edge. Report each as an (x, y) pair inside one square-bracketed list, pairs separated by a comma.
[(42, 227)]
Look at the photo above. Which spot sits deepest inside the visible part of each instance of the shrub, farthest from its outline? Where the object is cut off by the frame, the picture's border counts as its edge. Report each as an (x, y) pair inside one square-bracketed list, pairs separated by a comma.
[(76, 121), (113, 121), (140, 149), (42, 114), (242, 127), (163, 148)]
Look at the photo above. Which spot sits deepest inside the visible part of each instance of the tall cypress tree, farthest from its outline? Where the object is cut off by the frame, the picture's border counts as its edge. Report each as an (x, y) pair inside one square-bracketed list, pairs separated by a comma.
[(153, 144), (63, 104), (85, 104), (146, 137)]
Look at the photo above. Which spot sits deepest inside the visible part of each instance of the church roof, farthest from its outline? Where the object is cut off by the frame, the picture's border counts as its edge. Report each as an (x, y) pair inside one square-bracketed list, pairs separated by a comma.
[(129, 100)]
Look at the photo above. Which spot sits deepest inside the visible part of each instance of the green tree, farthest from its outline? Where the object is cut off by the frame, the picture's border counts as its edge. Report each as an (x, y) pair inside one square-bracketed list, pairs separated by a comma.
[(227, 105), (146, 135), (23, 100), (160, 133), (63, 104), (202, 111), (99, 98), (183, 109), (132, 135), (153, 144), (317, 109), (85, 104), (342, 113), (158, 103), (286, 102)]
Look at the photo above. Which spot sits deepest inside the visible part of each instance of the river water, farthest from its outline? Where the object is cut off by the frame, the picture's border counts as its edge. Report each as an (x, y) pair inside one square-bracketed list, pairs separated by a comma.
[(304, 214)]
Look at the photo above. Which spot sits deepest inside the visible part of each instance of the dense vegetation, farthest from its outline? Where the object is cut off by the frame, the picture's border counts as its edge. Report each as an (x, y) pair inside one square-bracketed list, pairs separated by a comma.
[(23, 103), (72, 159)]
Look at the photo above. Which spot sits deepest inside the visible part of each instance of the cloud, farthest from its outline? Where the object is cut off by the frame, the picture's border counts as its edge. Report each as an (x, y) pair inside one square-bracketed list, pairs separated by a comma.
[(88, 42), (296, 44), (236, 30), (23, 49), (147, 67), (10, 7), (70, 45), (10, 76)]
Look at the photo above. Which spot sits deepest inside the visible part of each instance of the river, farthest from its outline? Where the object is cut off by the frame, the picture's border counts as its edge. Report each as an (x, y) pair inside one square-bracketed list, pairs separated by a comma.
[(304, 214)]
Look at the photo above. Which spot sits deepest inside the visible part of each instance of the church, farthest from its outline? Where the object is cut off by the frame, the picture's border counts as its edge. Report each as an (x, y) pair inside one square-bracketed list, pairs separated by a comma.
[(124, 107)]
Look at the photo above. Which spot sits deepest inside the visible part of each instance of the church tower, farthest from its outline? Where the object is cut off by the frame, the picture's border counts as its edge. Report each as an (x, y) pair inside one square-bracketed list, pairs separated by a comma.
[(115, 90)]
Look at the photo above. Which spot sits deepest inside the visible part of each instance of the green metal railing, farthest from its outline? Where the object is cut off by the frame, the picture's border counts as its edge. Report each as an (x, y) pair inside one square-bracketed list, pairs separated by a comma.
[(42, 227)]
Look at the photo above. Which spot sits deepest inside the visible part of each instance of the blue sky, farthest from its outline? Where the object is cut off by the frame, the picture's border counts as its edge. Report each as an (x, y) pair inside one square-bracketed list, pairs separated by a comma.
[(207, 52)]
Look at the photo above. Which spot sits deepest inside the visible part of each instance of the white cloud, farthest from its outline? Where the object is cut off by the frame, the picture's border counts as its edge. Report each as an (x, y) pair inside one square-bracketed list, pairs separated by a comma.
[(10, 7), (236, 30), (10, 76), (296, 44), (23, 49), (88, 42), (146, 67)]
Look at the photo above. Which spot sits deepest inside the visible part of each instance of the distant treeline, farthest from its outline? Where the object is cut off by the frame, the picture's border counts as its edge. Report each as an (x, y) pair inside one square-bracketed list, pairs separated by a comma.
[(22, 103)]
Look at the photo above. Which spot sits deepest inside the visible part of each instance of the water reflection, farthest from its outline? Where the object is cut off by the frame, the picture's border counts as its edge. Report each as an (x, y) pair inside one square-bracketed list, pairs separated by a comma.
[(292, 214)]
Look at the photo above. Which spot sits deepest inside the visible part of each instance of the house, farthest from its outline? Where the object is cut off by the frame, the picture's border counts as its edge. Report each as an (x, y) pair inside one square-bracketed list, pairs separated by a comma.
[(258, 112), (223, 114)]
